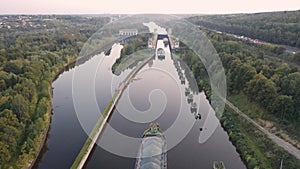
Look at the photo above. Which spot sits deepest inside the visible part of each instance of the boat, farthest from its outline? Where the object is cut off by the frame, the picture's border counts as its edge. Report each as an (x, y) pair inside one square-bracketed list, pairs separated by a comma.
[(190, 98), (180, 73), (182, 79), (153, 149), (187, 91), (160, 53), (219, 165), (194, 108)]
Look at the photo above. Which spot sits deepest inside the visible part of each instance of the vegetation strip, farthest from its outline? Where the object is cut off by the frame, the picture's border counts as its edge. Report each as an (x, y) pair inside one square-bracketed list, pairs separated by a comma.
[(280, 142), (89, 144)]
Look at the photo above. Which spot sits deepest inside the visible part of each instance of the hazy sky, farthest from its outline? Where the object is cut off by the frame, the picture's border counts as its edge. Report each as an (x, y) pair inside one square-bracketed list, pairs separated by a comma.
[(142, 6)]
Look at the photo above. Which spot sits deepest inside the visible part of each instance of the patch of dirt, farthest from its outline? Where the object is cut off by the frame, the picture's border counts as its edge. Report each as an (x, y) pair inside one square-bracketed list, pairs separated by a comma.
[(265, 123), (270, 126)]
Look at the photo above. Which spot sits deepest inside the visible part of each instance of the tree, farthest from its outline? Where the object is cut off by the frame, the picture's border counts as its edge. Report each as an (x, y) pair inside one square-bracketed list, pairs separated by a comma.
[(5, 155), (4, 102), (297, 56), (2, 85), (244, 73), (298, 43), (14, 66), (283, 69), (231, 47), (261, 90), (42, 107), (10, 135), (20, 107), (283, 107)]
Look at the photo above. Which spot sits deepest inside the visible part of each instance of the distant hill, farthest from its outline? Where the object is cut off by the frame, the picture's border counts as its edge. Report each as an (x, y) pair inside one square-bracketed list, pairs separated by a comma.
[(275, 27)]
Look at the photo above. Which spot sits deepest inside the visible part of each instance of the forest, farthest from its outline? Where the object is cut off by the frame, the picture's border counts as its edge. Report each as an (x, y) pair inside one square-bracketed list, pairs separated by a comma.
[(31, 56), (274, 27), (254, 72), (33, 52)]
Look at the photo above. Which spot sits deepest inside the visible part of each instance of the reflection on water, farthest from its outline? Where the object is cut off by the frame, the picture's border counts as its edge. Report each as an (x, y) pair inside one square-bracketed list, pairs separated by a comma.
[(157, 94), (160, 96), (163, 91), (66, 136)]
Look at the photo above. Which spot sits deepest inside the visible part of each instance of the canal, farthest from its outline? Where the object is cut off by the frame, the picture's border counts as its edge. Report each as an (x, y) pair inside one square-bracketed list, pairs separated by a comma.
[(156, 94)]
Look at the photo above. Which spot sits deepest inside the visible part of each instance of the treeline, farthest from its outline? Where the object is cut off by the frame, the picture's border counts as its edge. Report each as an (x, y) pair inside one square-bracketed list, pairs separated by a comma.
[(255, 148), (275, 27), (273, 85), (28, 65), (135, 43)]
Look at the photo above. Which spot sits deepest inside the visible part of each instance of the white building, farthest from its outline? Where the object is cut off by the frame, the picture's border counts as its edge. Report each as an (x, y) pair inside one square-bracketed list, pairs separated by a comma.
[(128, 32)]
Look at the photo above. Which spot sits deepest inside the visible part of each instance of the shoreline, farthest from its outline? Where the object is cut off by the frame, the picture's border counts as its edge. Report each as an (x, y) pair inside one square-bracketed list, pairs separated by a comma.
[(55, 75), (89, 144), (43, 140)]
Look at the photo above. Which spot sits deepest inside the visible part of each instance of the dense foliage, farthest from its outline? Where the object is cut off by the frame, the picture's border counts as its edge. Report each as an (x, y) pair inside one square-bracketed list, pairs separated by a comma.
[(132, 45), (34, 48), (275, 27), (30, 56), (255, 148), (270, 83)]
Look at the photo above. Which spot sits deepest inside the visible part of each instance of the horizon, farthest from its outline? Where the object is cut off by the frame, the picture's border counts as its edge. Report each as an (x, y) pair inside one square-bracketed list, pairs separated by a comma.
[(188, 7), (256, 12)]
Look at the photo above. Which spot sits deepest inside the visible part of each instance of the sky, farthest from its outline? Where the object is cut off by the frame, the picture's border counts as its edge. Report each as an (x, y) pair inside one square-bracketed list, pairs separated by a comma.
[(142, 6)]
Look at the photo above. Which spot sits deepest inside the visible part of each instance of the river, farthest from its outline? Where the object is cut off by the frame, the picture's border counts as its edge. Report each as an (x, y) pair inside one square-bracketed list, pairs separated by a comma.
[(156, 95)]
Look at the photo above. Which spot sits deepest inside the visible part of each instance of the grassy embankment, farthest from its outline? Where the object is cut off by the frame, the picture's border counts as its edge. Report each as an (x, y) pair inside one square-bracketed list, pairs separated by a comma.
[(87, 143), (287, 131), (256, 150)]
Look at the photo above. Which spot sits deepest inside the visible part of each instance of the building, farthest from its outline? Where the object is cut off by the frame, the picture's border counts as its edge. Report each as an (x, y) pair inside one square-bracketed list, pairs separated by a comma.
[(128, 32)]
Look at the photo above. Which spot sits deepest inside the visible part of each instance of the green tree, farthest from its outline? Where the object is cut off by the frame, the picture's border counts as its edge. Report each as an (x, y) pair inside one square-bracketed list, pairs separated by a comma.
[(283, 107), (20, 107), (261, 90), (5, 155), (2, 85), (42, 107), (14, 66), (244, 74), (297, 56), (283, 69)]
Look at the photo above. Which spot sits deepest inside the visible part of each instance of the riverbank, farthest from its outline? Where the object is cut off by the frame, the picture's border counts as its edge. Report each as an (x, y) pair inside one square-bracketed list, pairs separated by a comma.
[(44, 134), (288, 132), (97, 130), (56, 72), (255, 148)]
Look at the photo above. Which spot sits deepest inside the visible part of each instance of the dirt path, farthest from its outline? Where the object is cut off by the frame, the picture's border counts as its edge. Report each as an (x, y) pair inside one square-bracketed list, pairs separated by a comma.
[(277, 140)]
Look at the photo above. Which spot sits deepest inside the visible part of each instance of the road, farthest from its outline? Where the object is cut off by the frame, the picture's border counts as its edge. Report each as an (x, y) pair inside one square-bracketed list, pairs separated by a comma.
[(277, 140)]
